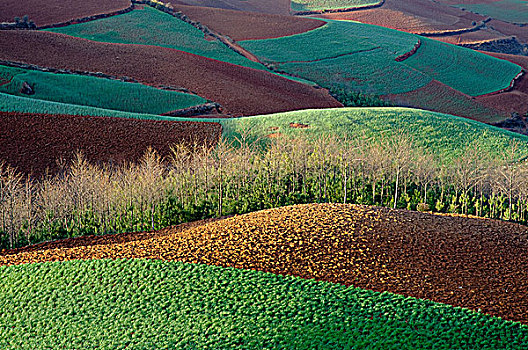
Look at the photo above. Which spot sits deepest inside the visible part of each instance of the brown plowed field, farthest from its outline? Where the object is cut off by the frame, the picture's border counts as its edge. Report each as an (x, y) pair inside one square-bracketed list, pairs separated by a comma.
[(33, 142), (515, 100), (278, 7), (57, 11), (240, 90), (474, 263), (241, 25), (439, 97)]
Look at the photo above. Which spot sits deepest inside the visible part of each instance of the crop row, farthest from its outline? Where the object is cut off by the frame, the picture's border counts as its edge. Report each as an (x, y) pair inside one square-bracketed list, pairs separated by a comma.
[(153, 304)]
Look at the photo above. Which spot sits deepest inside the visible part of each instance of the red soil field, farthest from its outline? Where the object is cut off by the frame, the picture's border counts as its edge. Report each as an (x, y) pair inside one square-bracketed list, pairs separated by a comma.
[(461, 261), (240, 90), (33, 143), (241, 25), (439, 97), (57, 11), (515, 100), (277, 7)]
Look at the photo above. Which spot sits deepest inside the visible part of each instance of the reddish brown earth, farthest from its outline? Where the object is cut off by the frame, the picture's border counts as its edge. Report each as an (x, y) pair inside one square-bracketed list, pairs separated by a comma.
[(412, 16), (515, 100), (240, 25), (240, 90), (467, 262), (439, 97), (33, 143), (57, 11), (278, 7)]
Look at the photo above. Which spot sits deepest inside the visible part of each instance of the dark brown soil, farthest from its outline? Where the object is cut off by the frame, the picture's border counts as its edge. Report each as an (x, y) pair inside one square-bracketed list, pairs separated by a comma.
[(240, 90), (33, 143), (240, 25), (467, 262), (57, 11)]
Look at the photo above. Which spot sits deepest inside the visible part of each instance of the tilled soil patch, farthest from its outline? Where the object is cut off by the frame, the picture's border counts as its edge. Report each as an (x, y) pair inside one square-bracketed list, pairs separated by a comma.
[(240, 90), (33, 143), (281, 7), (240, 25), (57, 11), (475, 263)]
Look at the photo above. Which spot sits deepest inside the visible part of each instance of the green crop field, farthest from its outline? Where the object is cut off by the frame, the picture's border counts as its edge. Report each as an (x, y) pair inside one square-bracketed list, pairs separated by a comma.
[(151, 304), (153, 27), (316, 5), (335, 38), (87, 91), (465, 70), (10, 103), (444, 134), (514, 11), (361, 57)]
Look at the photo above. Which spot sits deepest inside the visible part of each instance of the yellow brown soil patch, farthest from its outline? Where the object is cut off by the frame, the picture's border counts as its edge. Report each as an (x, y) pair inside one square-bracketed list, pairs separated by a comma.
[(474, 263)]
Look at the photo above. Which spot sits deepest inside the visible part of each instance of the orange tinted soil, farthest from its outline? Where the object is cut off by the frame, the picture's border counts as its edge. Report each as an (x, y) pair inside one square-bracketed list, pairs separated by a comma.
[(474, 263), (57, 11), (34, 142), (240, 90), (248, 25)]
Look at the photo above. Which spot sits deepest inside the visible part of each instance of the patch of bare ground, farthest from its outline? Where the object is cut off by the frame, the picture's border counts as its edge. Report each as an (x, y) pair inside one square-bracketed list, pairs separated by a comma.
[(240, 25), (278, 7), (299, 126), (240, 90), (475, 263), (32, 143), (57, 11)]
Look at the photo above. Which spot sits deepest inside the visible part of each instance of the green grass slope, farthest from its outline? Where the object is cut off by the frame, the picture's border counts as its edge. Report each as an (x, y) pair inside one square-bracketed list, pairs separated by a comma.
[(361, 57), (153, 27), (87, 91), (514, 11), (317, 5), (444, 134), (151, 304)]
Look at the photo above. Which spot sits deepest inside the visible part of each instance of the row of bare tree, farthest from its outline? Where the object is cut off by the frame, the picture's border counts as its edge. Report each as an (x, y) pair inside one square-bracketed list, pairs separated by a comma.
[(197, 182)]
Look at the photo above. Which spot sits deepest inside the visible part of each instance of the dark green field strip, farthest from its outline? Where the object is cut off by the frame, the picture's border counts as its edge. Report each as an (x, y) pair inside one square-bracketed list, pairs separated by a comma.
[(151, 304), (514, 11), (87, 91), (149, 26)]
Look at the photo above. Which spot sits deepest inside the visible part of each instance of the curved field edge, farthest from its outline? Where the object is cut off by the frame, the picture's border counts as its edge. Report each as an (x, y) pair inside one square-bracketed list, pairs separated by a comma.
[(89, 91), (321, 5), (444, 134), (145, 303)]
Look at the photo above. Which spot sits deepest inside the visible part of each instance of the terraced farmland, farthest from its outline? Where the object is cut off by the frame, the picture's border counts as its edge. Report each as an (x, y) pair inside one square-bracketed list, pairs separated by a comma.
[(455, 260), (369, 52), (149, 26), (240, 90), (86, 91)]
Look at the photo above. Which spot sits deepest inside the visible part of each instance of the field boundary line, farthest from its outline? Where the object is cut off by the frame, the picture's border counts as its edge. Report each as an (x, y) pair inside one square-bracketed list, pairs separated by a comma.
[(451, 32), (506, 89), (406, 55), (332, 57)]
